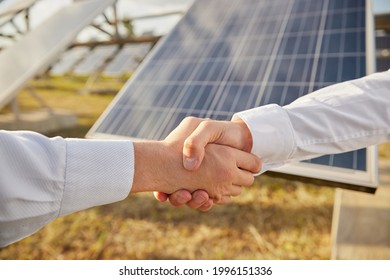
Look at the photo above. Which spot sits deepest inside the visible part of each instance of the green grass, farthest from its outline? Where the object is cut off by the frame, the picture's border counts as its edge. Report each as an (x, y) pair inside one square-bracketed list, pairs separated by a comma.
[(273, 219)]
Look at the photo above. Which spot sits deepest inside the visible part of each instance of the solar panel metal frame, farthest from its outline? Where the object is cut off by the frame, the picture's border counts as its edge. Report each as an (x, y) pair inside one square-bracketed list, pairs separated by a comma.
[(365, 181), (8, 12), (33, 57)]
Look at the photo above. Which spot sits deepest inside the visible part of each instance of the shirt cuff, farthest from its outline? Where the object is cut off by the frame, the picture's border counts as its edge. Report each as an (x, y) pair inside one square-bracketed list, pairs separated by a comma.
[(272, 134), (97, 172)]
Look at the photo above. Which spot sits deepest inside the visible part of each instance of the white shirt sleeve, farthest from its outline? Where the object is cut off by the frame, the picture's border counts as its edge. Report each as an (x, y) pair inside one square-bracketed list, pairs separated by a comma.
[(339, 118), (43, 178)]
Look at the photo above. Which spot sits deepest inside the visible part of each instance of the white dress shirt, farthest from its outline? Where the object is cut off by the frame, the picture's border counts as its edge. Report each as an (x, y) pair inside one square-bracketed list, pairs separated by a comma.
[(42, 179)]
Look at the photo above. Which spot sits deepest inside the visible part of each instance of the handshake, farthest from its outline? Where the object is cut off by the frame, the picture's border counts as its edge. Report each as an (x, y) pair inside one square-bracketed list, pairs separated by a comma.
[(200, 163)]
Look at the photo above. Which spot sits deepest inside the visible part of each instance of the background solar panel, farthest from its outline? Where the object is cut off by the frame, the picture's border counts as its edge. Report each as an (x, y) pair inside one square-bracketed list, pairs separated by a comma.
[(127, 59), (226, 56), (68, 60), (383, 51), (95, 59)]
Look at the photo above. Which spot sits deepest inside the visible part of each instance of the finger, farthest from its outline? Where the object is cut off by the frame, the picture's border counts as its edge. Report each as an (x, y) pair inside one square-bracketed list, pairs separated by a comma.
[(244, 178), (233, 134), (199, 198), (206, 206), (248, 162), (184, 129), (193, 149), (180, 197), (160, 196), (234, 190), (223, 200)]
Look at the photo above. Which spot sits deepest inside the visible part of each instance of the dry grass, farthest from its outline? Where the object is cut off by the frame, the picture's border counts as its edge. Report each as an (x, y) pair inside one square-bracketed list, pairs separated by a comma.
[(274, 219)]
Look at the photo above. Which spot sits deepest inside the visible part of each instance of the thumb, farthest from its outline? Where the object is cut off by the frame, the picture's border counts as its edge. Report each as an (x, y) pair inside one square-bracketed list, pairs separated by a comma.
[(193, 154), (194, 145)]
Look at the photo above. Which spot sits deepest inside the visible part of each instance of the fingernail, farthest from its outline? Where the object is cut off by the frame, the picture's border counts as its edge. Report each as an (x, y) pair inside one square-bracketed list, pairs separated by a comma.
[(182, 200), (199, 199), (189, 163)]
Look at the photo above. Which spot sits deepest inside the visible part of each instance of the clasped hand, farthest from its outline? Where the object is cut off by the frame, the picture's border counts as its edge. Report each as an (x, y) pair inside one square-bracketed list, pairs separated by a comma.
[(200, 163)]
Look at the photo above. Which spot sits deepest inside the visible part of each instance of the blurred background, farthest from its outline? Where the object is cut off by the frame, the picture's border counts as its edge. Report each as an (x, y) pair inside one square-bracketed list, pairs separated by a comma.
[(273, 219)]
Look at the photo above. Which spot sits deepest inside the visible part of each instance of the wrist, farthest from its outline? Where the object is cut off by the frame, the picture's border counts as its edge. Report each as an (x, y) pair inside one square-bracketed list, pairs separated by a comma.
[(149, 159)]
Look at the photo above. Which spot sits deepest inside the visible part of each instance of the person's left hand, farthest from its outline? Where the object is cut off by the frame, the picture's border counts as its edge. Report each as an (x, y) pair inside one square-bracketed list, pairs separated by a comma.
[(234, 134)]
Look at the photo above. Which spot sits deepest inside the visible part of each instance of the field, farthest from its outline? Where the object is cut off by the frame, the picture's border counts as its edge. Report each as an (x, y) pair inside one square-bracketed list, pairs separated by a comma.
[(273, 219)]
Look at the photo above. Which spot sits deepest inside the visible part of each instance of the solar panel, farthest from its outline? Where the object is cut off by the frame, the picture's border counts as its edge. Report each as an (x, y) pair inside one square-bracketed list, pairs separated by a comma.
[(38, 49), (95, 60), (10, 8), (383, 51), (226, 56), (68, 60), (127, 59)]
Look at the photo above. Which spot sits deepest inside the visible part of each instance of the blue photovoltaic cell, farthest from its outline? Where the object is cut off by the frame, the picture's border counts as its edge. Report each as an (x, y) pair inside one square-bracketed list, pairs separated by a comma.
[(226, 56)]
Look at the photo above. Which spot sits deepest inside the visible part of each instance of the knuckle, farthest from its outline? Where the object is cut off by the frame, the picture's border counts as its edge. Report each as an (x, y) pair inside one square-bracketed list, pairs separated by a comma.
[(191, 143), (190, 120), (206, 124)]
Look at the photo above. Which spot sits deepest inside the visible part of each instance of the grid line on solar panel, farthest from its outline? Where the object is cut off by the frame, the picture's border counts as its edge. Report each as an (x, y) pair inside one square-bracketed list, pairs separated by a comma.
[(127, 59), (227, 56), (95, 59), (69, 60)]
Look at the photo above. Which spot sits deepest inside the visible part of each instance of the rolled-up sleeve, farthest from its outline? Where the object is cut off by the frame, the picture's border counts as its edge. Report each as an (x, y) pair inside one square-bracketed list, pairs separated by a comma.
[(43, 178)]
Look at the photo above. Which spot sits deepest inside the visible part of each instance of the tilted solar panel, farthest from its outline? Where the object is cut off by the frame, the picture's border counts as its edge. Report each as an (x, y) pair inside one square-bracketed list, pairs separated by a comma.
[(226, 56), (95, 60), (69, 60), (127, 59), (36, 51), (383, 51)]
